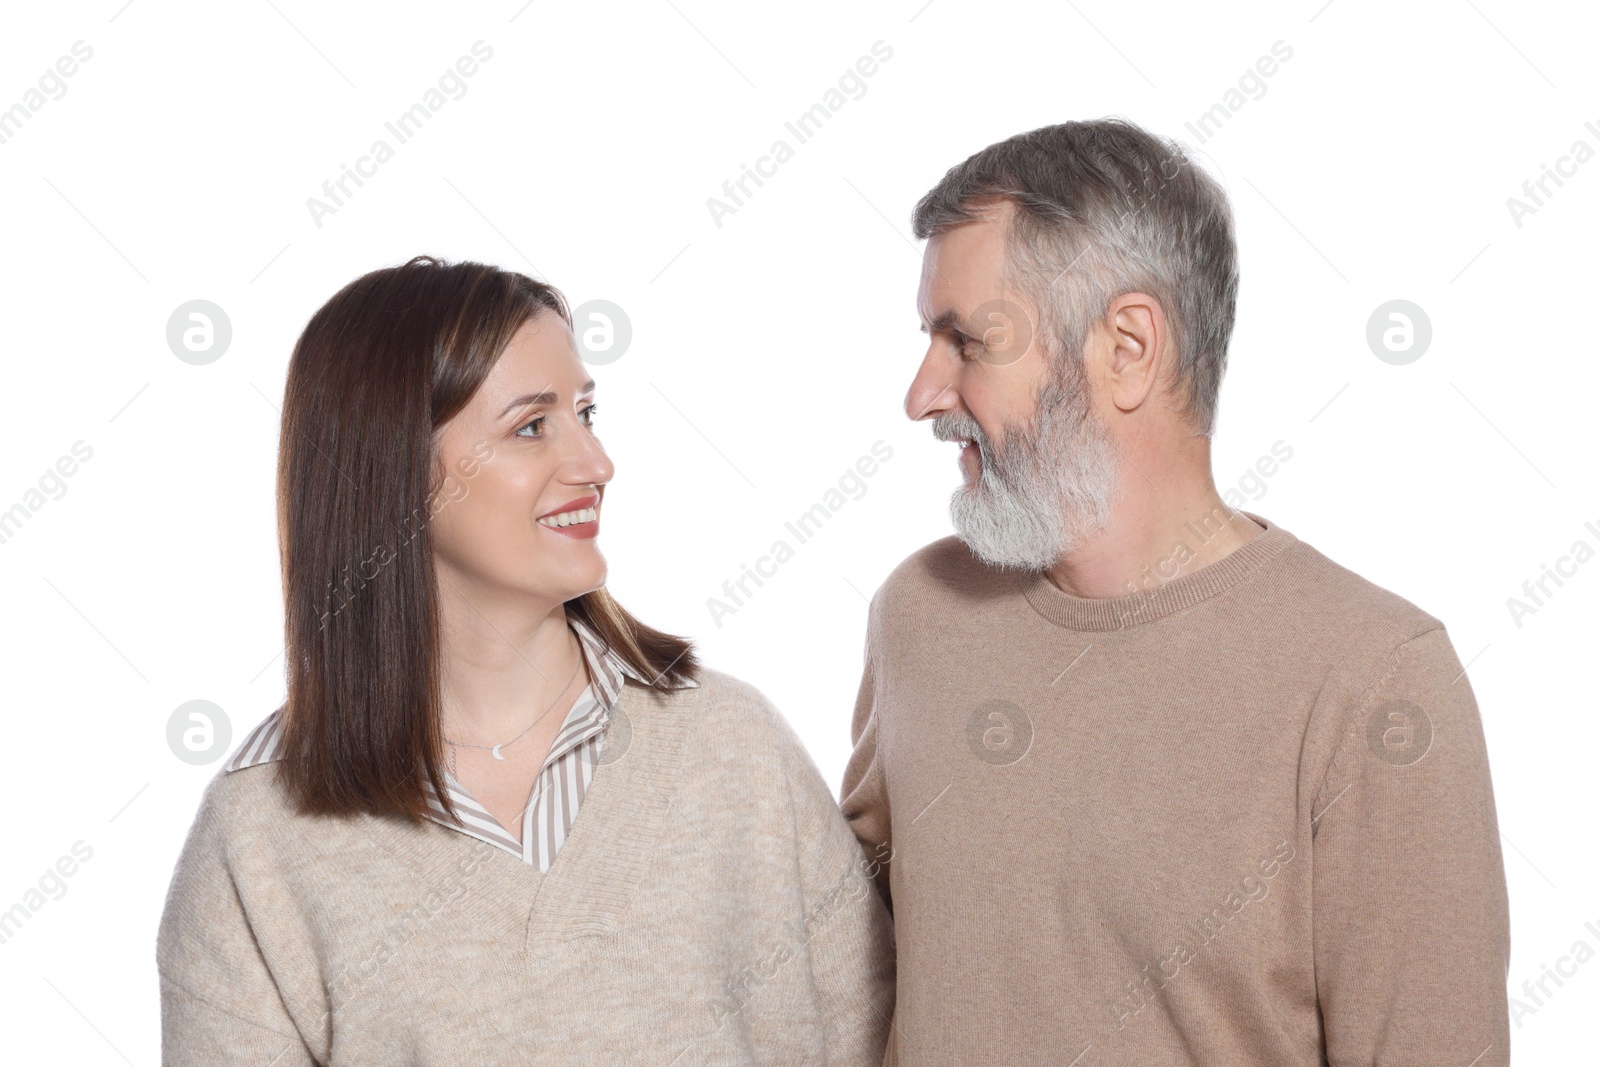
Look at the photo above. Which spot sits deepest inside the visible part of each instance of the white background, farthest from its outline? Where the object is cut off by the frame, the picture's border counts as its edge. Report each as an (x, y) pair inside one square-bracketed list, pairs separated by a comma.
[(768, 354)]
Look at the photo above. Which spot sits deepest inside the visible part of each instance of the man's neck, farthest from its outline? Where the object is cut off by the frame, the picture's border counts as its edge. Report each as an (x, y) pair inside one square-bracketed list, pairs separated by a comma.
[(1150, 540)]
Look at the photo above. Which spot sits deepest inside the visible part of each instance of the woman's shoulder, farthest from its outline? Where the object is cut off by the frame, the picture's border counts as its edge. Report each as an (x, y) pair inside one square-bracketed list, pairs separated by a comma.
[(733, 708), (722, 688), (740, 733), (246, 795)]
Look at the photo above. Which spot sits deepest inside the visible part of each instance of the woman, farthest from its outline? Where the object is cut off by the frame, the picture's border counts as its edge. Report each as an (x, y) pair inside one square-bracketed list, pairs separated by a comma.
[(498, 819)]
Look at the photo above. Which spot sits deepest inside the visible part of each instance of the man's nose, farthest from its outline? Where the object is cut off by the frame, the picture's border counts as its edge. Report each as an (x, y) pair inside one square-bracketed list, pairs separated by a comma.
[(932, 391)]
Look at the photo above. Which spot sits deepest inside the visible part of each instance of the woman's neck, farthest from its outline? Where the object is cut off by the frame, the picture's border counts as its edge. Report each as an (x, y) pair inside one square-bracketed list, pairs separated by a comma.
[(499, 673)]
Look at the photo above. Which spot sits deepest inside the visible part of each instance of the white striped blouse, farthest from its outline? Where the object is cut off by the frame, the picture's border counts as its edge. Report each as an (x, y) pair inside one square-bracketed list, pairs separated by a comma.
[(562, 782)]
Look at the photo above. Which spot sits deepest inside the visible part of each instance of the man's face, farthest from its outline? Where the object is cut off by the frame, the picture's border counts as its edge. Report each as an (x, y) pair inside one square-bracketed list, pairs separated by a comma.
[(983, 356), (1038, 467)]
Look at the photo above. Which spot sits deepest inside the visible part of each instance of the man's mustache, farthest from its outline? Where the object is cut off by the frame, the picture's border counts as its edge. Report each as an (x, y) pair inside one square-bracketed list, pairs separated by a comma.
[(959, 428)]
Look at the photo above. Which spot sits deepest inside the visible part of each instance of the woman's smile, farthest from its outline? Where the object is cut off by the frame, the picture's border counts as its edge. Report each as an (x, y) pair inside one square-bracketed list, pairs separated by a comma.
[(577, 518)]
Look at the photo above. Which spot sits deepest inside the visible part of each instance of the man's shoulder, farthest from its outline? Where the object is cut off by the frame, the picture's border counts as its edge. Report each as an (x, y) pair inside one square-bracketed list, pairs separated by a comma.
[(945, 568), (1321, 589), (944, 575)]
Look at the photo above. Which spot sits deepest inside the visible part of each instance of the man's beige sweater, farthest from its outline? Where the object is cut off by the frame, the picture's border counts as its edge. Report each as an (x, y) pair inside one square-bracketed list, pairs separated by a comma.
[(710, 907), (1243, 820)]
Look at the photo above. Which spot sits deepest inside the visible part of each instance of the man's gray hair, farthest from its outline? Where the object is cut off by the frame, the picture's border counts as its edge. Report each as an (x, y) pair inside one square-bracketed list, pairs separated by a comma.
[(1102, 208)]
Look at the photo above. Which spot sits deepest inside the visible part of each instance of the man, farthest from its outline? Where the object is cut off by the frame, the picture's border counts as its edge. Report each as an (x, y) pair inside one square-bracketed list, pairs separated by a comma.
[(1158, 782)]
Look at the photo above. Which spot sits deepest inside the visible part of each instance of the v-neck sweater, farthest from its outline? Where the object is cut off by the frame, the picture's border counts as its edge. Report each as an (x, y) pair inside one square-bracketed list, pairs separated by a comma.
[(558, 789), (710, 907)]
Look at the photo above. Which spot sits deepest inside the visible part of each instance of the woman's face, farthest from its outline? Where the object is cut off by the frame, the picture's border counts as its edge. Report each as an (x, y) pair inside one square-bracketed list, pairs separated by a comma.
[(518, 511)]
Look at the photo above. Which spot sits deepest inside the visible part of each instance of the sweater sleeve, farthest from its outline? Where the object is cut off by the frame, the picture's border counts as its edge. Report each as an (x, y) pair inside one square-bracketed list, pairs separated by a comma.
[(864, 793), (219, 1003), (1411, 931), (850, 935)]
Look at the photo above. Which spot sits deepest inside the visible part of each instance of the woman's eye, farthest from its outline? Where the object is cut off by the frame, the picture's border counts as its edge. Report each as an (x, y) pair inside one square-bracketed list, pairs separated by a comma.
[(536, 425)]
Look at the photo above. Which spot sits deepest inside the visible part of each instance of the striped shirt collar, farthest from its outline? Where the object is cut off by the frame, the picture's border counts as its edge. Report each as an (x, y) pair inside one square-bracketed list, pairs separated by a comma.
[(561, 784)]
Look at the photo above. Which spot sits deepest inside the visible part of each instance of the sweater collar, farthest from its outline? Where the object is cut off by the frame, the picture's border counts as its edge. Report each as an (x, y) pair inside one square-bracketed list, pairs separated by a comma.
[(1153, 604)]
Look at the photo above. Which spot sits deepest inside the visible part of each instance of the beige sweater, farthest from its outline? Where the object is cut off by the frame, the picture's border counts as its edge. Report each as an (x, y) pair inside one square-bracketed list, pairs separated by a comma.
[(710, 907), (1244, 821)]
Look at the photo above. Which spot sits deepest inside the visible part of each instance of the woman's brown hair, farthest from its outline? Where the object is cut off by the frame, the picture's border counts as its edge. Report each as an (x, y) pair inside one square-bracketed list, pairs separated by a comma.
[(377, 371)]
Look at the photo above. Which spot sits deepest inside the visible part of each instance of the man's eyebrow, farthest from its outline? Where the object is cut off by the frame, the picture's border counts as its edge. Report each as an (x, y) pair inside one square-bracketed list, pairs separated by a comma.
[(944, 321), (546, 397)]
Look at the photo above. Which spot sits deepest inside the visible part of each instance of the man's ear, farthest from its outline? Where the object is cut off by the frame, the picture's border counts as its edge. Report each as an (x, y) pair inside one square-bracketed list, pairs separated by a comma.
[(1136, 334)]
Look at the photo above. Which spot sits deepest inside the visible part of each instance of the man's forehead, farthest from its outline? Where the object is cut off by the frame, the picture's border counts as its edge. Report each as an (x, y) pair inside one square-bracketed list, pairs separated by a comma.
[(957, 274)]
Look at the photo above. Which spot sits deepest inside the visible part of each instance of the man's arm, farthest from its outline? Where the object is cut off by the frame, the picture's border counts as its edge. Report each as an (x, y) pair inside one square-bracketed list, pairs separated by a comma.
[(1411, 931), (864, 796)]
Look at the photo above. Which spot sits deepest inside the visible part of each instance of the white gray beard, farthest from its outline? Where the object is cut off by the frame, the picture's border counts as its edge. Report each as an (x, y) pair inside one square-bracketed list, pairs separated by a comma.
[(1050, 488)]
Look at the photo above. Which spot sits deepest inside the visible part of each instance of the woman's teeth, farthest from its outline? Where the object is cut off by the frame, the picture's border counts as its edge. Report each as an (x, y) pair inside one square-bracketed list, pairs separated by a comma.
[(568, 518)]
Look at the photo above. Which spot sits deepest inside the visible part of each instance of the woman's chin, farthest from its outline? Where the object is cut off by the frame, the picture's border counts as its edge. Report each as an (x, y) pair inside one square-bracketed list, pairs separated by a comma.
[(580, 580)]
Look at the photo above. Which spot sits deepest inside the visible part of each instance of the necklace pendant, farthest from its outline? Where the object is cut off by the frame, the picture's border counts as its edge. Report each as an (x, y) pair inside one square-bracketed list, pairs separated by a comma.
[(495, 752)]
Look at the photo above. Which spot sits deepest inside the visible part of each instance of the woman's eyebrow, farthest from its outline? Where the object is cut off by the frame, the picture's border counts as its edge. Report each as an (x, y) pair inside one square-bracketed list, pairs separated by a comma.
[(529, 399), (546, 397)]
